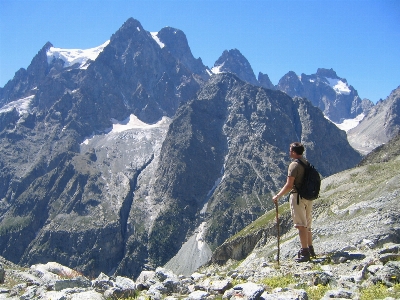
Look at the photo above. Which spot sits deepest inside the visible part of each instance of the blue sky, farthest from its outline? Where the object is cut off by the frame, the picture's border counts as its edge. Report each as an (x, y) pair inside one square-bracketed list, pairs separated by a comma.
[(359, 39)]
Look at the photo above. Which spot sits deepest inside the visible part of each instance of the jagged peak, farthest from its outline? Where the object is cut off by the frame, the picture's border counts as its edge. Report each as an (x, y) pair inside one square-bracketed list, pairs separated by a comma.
[(131, 26), (291, 75), (171, 30), (234, 61), (329, 73), (172, 36), (47, 46), (131, 22), (231, 53)]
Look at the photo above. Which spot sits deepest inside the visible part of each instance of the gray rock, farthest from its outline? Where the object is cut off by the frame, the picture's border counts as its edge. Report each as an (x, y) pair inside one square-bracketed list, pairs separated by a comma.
[(125, 283), (342, 294), (384, 258), (389, 274), (92, 295), (102, 283), (78, 282), (285, 295), (198, 295), (2, 274), (53, 295), (248, 290)]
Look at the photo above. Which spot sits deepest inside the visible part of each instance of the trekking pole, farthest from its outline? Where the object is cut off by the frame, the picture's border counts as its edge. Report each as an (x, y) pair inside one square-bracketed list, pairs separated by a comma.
[(277, 227)]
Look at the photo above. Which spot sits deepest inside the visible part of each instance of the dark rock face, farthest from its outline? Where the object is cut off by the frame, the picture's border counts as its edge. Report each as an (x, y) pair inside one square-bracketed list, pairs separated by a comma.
[(325, 90), (176, 43), (264, 81)]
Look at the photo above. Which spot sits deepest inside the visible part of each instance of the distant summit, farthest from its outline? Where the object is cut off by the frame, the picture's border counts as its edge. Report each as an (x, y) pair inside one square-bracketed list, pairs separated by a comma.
[(233, 61), (326, 90)]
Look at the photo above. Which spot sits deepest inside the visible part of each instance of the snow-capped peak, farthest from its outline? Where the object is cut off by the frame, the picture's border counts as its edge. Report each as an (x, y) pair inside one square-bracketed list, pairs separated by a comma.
[(75, 56), (339, 86)]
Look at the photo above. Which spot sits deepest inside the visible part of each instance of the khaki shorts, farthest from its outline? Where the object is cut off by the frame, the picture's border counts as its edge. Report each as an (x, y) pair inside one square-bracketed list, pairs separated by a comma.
[(301, 213)]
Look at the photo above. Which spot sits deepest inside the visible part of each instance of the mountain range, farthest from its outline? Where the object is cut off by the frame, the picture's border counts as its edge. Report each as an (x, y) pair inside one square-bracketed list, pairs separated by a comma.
[(117, 160)]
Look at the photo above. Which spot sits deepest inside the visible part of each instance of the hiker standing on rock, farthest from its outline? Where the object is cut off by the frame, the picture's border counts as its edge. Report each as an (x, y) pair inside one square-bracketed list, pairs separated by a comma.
[(300, 210)]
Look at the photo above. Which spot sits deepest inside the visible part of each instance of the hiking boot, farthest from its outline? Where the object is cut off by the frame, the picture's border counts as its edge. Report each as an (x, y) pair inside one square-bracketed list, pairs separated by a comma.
[(312, 252), (303, 255)]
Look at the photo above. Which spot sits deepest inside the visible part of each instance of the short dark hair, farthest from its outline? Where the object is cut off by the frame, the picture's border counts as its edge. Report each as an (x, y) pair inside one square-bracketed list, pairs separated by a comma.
[(297, 147)]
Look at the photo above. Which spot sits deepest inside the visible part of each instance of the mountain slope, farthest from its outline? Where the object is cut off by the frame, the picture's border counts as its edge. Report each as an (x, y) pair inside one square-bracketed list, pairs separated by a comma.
[(380, 125), (358, 208)]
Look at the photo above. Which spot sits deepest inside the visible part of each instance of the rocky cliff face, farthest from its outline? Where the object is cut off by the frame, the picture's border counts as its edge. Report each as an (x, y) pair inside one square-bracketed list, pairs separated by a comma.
[(380, 125)]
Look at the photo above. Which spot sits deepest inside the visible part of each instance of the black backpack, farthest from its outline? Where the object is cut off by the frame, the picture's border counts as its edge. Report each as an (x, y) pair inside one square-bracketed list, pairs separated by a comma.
[(311, 182)]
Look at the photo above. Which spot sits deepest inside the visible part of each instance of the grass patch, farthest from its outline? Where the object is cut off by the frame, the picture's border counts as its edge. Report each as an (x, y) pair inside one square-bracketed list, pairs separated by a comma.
[(317, 292), (278, 281), (261, 222), (14, 224), (380, 291)]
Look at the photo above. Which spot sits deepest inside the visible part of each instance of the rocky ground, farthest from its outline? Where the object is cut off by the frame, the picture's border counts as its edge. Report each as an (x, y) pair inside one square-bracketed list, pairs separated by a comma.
[(347, 274)]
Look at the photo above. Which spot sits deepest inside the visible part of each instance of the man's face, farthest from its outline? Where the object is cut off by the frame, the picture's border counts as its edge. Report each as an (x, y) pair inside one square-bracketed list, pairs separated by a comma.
[(291, 153)]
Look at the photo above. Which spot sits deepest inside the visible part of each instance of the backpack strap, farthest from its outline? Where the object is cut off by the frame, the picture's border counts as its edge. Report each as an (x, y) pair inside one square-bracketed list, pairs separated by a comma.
[(305, 167), (301, 162)]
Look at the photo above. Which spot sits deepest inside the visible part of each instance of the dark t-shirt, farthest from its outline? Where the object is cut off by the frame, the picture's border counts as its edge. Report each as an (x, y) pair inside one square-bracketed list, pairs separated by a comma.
[(296, 170)]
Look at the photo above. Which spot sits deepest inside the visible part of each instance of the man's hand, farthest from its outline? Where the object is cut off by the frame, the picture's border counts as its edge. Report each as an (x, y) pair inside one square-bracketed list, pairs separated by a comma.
[(275, 199)]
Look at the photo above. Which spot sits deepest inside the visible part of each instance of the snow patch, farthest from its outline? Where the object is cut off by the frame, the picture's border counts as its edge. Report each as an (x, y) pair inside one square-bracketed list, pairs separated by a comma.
[(339, 86), (132, 122), (21, 105), (348, 124), (155, 37), (75, 56), (217, 69)]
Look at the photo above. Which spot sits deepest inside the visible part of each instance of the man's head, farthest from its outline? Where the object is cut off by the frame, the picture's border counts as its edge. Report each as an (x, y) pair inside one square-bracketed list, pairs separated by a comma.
[(297, 148)]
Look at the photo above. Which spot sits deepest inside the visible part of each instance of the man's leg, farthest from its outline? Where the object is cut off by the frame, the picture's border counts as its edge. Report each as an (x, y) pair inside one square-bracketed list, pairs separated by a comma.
[(304, 236), (304, 253)]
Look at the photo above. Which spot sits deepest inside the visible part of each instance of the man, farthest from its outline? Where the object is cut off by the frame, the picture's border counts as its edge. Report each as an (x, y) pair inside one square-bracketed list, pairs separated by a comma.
[(301, 212)]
